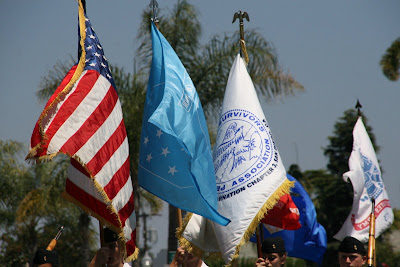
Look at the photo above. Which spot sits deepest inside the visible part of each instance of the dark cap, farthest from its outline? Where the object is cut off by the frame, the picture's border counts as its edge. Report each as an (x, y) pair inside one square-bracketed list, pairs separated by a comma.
[(352, 245), (45, 256), (110, 235), (273, 245)]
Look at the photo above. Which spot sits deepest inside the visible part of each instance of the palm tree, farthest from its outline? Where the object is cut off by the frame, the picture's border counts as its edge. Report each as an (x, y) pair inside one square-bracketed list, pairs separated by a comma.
[(209, 65), (390, 62), (31, 210)]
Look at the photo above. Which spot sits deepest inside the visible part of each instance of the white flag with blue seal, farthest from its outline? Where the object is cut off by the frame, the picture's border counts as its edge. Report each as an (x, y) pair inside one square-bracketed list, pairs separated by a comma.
[(175, 161), (366, 178), (249, 172)]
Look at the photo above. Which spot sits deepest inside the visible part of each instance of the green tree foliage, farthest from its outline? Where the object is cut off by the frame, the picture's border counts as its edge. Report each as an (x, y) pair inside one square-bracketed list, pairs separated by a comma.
[(333, 197), (385, 251), (390, 62), (341, 143), (31, 205), (31, 211), (209, 65)]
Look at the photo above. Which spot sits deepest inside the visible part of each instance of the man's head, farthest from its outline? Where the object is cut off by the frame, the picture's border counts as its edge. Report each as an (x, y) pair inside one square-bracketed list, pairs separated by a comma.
[(114, 248), (352, 252), (45, 258), (273, 251)]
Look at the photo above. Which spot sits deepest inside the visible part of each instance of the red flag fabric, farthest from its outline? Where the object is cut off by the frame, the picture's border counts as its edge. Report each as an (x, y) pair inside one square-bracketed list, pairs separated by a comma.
[(83, 119), (284, 215)]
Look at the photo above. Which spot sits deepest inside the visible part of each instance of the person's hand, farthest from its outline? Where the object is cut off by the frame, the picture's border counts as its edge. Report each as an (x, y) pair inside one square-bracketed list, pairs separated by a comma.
[(260, 262), (181, 255), (101, 257)]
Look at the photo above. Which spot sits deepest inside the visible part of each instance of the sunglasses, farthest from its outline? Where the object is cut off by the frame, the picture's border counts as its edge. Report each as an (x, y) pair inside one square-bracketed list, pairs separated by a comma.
[(270, 258)]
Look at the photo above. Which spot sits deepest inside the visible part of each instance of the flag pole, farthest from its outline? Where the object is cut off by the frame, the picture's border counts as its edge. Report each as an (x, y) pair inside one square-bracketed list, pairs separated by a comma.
[(179, 217), (239, 15), (53, 242), (101, 232), (180, 223), (79, 46), (371, 260), (154, 5), (258, 236)]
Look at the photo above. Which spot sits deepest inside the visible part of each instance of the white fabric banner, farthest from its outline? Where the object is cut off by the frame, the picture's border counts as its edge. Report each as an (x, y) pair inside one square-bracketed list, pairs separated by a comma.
[(249, 172), (365, 175)]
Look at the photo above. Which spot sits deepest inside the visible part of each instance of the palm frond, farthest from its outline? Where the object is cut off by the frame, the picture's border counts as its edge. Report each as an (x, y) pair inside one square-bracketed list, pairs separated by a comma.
[(180, 27), (31, 206), (390, 62), (52, 80), (211, 69)]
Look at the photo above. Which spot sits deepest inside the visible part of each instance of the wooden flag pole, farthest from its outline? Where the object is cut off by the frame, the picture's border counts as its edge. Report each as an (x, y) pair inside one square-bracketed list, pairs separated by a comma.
[(371, 260), (180, 223), (101, 232), (179, 217), (258, 236)]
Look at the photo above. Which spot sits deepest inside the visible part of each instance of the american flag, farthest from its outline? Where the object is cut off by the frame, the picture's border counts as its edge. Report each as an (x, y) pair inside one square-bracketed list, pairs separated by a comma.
[(83, 119)]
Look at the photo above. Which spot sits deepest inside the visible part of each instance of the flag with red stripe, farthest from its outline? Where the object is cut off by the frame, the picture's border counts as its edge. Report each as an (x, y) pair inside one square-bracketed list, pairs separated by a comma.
[(83, 119), (284, 215)]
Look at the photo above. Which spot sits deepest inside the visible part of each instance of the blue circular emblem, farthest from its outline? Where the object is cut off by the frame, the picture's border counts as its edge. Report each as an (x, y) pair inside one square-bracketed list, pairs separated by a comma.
[(372, 176), (244, 149)]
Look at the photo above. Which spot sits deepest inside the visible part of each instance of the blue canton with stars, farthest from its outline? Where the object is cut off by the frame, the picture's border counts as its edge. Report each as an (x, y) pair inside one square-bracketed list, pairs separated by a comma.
[(95, 58)]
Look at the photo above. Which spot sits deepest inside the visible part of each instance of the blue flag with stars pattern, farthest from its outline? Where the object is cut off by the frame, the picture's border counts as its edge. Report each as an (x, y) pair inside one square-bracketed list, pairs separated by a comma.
[(175, 161)]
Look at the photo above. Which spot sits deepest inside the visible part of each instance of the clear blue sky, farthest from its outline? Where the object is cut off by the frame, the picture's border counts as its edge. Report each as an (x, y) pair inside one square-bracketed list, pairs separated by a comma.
[(332, 47)]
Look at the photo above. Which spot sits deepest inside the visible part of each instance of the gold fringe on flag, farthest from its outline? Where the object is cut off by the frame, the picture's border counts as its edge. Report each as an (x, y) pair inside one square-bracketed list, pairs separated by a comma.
[(78, 72), (31, 157), (283, 189)]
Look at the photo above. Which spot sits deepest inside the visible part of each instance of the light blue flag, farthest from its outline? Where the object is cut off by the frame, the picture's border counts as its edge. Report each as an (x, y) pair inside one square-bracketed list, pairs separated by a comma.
[(308, 242), (175, 161)]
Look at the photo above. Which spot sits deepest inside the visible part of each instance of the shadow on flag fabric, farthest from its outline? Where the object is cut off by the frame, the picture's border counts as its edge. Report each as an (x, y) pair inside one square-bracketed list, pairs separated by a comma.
[(83, 119), (250, 175), (308, 242), (175, 161), (366, 178)]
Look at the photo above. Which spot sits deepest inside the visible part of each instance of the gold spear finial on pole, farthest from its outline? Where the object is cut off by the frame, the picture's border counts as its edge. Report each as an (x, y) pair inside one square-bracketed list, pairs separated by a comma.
[(239, 15)]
